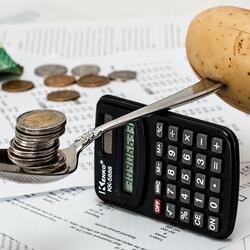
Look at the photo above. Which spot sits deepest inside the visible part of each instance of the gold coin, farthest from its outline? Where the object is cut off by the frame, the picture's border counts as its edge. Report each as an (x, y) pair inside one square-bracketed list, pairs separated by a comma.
[(63, 96), (59, 80), (17, 86), (41, 119), (92, 81)]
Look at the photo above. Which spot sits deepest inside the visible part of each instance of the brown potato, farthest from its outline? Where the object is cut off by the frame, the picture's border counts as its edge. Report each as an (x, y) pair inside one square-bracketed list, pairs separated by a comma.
[(218, 48)]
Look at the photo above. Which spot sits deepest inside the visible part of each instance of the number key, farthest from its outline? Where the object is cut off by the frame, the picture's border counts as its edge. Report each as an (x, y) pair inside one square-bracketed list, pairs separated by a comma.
[(200, 180), (199, 199), (186, 157), (171, 191), (200, 161), (186, 176), (171, 172), (172, 153), (185, 196)]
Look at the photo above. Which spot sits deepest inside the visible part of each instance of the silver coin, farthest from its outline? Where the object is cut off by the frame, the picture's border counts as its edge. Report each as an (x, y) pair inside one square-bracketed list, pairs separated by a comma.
[(23, 153), (34, 145), (58, 165), (122, 75), (41, 121), (85, 70), (29, 162), (50, 70), (39, 138)]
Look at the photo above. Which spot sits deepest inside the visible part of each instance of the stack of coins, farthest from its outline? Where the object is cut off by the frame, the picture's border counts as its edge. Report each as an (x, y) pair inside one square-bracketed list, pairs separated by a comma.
[(35, 145)]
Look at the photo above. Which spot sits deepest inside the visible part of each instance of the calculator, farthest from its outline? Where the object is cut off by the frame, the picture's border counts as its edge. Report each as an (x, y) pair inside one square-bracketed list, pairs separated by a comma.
[(169, 167)]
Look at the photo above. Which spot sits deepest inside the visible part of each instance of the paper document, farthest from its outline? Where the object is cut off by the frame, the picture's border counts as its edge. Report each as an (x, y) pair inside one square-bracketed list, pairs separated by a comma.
[(78, 40), (75, 219)]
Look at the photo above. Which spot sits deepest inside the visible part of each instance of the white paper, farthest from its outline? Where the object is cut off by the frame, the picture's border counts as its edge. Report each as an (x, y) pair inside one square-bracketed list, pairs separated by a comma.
[(9, 243), (75, 219), (91, 39)]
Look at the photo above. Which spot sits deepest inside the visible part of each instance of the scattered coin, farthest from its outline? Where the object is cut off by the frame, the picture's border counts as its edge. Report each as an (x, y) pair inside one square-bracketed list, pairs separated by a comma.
[(92, 81), (59, 80), (122, 75), (85, 69), (17, 86), (63, 96), (50, 70)]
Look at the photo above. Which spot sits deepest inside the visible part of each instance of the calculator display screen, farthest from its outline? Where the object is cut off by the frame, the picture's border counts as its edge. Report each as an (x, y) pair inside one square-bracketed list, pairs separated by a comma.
[(129, 155)]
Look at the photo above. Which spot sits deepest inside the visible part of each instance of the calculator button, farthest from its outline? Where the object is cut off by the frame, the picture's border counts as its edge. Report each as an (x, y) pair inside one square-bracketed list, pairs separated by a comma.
[(198, 219), (186, 176), (200, 180), (215, 185), (171, 172), (157, 206), (159, 129), (159, 149), (217, 145), (213, 223), (185, 195), (158, 168), (200, 161), (216, 164), (173, 133), (187, 137), (172, 153), (171, 191), (158, 186), (184, 215), (201, 141), (170, 210), (199, 200), (186, 157), (214, 204)]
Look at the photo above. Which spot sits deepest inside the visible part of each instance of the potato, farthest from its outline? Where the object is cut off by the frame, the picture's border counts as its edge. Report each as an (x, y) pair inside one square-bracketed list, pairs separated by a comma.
[(218, 48)]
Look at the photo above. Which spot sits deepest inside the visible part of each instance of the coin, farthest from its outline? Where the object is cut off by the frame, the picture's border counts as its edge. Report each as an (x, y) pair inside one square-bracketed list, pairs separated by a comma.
[(50, 70), (24, 153), (92, 81), (34, 145), (63, 96), (29, 162), (39, 138), (85, 69), (17, 86), (41, 121), (59, 80), (122, 75)]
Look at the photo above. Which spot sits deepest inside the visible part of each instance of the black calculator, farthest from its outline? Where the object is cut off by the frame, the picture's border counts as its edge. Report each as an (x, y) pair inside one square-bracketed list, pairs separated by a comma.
[(169, 167)]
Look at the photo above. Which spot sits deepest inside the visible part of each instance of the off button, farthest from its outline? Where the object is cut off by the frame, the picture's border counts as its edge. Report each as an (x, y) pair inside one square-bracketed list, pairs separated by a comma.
[(157, 206)]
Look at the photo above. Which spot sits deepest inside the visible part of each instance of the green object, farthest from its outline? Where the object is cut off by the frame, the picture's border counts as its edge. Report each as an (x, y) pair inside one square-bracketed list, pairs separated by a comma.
[(128, 167), (7, 65)]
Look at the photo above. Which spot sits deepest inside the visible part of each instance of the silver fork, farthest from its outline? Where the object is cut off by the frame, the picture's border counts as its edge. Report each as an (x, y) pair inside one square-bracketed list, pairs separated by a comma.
[(10, 171)]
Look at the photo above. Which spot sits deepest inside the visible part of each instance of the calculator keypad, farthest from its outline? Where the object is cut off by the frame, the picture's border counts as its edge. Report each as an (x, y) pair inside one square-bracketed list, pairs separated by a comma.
[(191, 171)]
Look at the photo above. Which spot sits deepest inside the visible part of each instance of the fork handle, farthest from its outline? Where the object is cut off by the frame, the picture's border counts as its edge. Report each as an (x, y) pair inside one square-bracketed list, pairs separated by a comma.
[(203, 88)]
